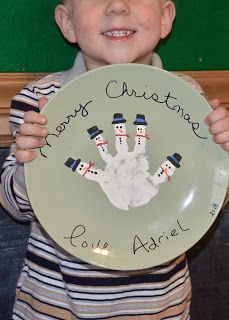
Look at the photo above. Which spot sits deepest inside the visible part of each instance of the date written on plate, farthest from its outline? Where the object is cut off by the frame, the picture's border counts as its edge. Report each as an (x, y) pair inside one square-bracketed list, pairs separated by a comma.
[(214, 209)]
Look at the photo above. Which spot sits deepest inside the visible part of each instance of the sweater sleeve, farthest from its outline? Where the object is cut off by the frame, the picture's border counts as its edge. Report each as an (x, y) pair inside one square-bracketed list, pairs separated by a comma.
[(13, 187), (192, 82)]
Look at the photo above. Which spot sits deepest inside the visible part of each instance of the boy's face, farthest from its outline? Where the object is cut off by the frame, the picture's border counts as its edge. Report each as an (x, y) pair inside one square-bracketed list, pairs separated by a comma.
[(116, 31)]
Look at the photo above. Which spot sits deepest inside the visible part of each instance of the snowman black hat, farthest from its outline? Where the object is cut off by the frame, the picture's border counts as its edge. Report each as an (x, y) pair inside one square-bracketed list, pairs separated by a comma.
[(118, 118), (140, 120), (94, 132), (175, 159), (73, 164)]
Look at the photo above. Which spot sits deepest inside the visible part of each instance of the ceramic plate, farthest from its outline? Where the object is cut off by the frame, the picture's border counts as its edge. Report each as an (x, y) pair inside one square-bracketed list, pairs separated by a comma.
[(129, 177)]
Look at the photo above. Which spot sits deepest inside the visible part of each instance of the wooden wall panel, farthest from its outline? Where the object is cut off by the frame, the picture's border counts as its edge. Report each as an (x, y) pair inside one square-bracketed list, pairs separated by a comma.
[(214, 83)]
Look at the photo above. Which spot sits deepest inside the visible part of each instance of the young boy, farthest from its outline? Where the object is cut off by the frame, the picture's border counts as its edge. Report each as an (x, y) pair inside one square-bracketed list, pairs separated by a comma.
[(53, 284)]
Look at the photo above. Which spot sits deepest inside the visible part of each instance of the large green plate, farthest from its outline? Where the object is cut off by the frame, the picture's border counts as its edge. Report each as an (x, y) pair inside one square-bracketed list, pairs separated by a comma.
[(129, 216)]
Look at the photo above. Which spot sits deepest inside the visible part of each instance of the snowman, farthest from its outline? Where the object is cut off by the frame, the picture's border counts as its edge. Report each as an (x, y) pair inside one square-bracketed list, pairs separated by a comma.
[(120, 133), (96, 135), (141, 137), (167, 169), (126, 179), (84, 169)]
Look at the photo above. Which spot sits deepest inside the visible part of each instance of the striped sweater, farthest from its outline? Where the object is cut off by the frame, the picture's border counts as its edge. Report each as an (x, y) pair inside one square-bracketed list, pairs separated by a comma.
[(52, 284)]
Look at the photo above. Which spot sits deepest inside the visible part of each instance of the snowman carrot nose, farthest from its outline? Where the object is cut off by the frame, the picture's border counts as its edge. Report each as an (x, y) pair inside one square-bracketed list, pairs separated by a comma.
[(165, 170)]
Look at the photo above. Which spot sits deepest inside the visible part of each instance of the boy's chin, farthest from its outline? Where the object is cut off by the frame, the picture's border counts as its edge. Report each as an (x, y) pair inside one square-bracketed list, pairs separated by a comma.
[(121, 60), (115, 59), (128, 56)]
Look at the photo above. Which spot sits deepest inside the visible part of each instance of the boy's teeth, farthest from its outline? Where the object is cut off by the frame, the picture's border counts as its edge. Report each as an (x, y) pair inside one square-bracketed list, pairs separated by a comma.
[(119, 33)]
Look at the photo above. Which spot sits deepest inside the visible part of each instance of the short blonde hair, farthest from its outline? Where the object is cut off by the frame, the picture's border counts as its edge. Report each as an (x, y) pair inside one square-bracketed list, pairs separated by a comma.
[(65, 1)]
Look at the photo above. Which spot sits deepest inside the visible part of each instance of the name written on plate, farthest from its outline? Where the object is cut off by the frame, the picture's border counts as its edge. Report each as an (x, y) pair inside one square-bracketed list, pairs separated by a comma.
[(79, 238), (141, 244)]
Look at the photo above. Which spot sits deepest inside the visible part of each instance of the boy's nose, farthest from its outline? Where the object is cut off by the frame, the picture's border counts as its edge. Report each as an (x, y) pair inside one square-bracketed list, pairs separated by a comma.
[(117, 7)]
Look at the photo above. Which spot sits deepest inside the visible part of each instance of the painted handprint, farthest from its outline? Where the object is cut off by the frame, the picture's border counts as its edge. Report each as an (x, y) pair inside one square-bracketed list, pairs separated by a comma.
[(126, 179)]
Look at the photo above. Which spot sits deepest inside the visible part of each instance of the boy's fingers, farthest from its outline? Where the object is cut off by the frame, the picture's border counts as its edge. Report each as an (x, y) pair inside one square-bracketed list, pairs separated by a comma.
[(24, 143), (23, 156), (42, 102), (216, 115), (221, 138), (225, 146), (29, 129), (214, 103), (219, 126), (34, 117)]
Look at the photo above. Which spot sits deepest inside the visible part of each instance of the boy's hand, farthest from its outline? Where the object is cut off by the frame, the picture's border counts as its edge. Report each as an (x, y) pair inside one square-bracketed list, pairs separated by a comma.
[(31, 134), (218, 122)]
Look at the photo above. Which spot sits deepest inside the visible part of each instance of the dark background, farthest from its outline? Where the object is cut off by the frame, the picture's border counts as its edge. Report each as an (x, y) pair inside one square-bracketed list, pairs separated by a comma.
[(31, 42)]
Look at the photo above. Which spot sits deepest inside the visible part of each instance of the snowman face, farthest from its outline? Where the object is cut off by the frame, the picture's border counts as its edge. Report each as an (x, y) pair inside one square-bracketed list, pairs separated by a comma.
[(82, 167), (85, 169), (120, 128), (98, 139), (141, 130), (168, 167)]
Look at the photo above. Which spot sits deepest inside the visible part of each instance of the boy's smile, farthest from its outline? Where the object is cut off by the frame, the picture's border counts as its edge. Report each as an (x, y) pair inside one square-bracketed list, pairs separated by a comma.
[(119, 34), (116, 31)]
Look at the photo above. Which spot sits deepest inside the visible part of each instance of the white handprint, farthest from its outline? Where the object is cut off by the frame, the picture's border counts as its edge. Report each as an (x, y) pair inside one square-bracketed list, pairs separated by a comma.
[(126, 179)]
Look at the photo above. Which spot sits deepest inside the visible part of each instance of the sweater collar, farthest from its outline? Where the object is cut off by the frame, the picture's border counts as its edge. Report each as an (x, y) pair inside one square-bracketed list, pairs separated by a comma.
[(79, 68)]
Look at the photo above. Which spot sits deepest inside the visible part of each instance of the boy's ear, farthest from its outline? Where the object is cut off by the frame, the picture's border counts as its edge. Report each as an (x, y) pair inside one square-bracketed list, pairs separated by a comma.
[(64, 21), (167, 17)]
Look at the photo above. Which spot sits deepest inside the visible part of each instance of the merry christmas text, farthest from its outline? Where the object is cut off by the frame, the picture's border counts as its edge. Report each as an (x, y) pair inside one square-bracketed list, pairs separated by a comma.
[(116, 90), (80, 110)]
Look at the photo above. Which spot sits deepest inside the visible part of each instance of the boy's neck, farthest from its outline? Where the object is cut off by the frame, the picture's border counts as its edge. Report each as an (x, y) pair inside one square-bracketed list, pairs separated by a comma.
[(79, 67)]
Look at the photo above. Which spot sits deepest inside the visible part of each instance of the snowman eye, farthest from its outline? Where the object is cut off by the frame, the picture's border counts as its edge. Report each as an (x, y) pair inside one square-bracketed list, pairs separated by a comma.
[(116, 127), (81, 165)]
